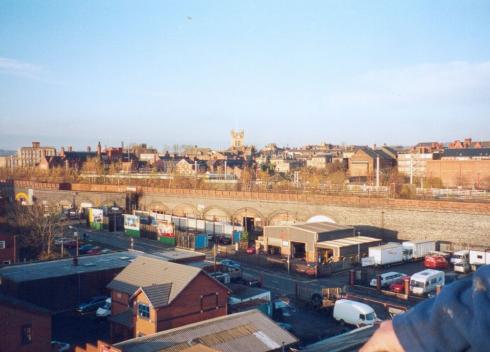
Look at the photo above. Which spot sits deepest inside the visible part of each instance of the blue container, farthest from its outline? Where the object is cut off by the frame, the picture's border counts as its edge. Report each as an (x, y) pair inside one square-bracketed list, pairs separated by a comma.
[(236, 236), (201, 241)]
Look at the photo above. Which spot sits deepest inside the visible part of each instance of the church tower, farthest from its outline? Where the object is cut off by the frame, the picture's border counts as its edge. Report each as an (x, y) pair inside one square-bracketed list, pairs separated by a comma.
[(237, 139)]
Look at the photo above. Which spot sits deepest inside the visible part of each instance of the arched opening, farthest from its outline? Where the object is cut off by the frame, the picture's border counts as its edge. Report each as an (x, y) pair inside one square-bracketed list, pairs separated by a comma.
[(282, 217), (216, 213), (251, 219), (187, 210)]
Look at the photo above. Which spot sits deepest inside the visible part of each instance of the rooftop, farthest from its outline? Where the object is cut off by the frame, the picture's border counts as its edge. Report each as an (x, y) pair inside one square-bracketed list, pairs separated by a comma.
[(320, 227), (86, 264), (145, 272), (348, 241), (249, 331)]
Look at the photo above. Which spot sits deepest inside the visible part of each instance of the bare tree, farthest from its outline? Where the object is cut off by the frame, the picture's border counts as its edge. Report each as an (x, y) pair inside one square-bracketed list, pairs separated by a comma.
[(37, 228)]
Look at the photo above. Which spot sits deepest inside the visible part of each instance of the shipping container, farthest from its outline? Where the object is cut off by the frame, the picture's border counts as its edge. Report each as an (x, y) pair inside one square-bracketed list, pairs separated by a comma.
[(201, 241), (236, 236)]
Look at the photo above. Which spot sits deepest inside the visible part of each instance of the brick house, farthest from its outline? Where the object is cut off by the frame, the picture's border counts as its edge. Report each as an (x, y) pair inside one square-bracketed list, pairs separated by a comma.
[(24, 326), (152, 295), (364, 162), (7, 249)]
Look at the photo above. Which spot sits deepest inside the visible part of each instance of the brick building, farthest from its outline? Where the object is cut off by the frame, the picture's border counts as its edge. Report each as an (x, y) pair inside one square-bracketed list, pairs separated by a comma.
[(460, 173), (363, 162), (7, 249), (152, 295), (24, 327)]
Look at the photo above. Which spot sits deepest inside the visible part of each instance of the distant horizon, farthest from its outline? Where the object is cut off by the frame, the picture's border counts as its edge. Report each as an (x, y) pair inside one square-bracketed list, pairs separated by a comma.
[(161, 147)]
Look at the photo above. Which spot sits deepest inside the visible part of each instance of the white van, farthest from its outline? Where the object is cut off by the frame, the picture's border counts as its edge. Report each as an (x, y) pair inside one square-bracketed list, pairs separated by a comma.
[(426, 281), (354, 313), (387, 279)]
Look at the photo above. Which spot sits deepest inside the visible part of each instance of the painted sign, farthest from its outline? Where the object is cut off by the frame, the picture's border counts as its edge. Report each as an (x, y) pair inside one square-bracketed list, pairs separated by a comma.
[(96, 218), (132, 225), (165, 229)]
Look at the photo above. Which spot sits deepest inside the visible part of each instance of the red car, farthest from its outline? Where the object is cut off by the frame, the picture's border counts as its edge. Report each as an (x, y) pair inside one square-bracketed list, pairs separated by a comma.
[(435, 262), (251, 250), (399, 285), (93, 251)]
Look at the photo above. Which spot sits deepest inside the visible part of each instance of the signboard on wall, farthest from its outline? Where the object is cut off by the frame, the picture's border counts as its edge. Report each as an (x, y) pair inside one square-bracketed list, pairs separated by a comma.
[(131, 222), (165, 229), (96, 218)]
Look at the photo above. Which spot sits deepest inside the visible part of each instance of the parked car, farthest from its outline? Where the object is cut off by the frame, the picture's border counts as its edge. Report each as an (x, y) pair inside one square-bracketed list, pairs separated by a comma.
[(85, 248), (354, 313), (105, 251), (224, 240), (251, 250), (249, 282), (399, 285), (66, 242), (105, 310), (229, 262), (282, 309), (436, 262), (58, 346), (387, 279), (92, 305), (94, 250)]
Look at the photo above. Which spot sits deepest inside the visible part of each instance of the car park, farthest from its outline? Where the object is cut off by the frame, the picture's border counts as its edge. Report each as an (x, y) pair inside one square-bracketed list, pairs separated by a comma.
[(92, 305), (387, 279)]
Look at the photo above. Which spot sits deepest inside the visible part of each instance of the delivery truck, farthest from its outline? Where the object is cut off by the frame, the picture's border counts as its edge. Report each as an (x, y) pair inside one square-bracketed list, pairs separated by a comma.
[(386, 254), (417, 250), (479, 258)]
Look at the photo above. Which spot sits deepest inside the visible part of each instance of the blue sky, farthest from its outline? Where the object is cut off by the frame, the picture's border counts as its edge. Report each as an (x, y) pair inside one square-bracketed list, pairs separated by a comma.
[(186, 72)]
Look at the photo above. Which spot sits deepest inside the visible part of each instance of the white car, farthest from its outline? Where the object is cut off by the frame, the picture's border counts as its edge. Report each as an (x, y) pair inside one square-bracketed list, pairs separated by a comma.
[(105, 310), (387, 279)]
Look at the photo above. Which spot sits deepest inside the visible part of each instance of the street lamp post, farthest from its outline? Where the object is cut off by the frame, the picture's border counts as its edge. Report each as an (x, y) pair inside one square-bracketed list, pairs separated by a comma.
[(358, 247), (76, 239)]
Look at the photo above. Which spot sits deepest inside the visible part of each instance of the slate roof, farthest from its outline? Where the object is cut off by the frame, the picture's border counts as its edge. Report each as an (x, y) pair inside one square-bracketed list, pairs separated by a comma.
[(375, 153), (145, 272), (158, 295), (469, 152), (249, 331)]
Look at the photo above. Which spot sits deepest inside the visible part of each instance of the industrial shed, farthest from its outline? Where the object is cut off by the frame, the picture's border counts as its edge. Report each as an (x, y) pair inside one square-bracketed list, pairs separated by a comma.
[(300, 240), (345, 247)]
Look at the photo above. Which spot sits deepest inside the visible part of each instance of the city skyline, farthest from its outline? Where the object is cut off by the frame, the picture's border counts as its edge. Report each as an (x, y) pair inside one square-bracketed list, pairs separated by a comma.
[(184, 73)]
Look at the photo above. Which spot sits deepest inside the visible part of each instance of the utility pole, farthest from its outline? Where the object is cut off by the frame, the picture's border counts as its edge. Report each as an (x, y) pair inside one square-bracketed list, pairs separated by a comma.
[(377, 171)]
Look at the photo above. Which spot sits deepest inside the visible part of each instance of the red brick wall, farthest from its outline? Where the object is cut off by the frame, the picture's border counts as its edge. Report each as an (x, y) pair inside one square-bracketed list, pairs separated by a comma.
[(8, 253), (11, 321), (186, 309), (465, 173)]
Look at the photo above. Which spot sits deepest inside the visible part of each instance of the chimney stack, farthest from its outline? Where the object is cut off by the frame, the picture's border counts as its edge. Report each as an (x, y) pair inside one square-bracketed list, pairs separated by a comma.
[(36, 144), (89, 149), (70, 148)]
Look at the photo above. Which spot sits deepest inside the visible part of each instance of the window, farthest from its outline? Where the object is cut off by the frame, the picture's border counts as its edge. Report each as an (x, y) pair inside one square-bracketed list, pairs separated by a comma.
[(362, 317), (143, 311), (26, 334), (2, 244)]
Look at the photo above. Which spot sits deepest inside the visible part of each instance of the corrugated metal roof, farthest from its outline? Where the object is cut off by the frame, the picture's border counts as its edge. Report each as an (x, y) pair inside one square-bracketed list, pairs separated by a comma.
[(348, 241), (249, 331), (320, 227), (145, 272)]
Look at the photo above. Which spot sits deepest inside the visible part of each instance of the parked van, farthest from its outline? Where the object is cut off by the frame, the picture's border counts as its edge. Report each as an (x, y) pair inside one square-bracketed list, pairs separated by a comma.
[(387, 279), (426, 281), (354, 313)]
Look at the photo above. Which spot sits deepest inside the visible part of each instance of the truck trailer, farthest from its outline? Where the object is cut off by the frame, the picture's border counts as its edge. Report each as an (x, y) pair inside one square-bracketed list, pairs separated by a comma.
[(479, 258), (387, 254), (415, 250)]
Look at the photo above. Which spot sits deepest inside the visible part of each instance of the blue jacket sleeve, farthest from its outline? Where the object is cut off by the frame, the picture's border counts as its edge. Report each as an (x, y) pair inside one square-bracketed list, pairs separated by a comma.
[(458, 319)]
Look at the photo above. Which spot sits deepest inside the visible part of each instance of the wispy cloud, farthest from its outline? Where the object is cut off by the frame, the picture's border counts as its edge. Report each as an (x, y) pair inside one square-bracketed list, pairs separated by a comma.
[(18, 68), (416, 87)]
